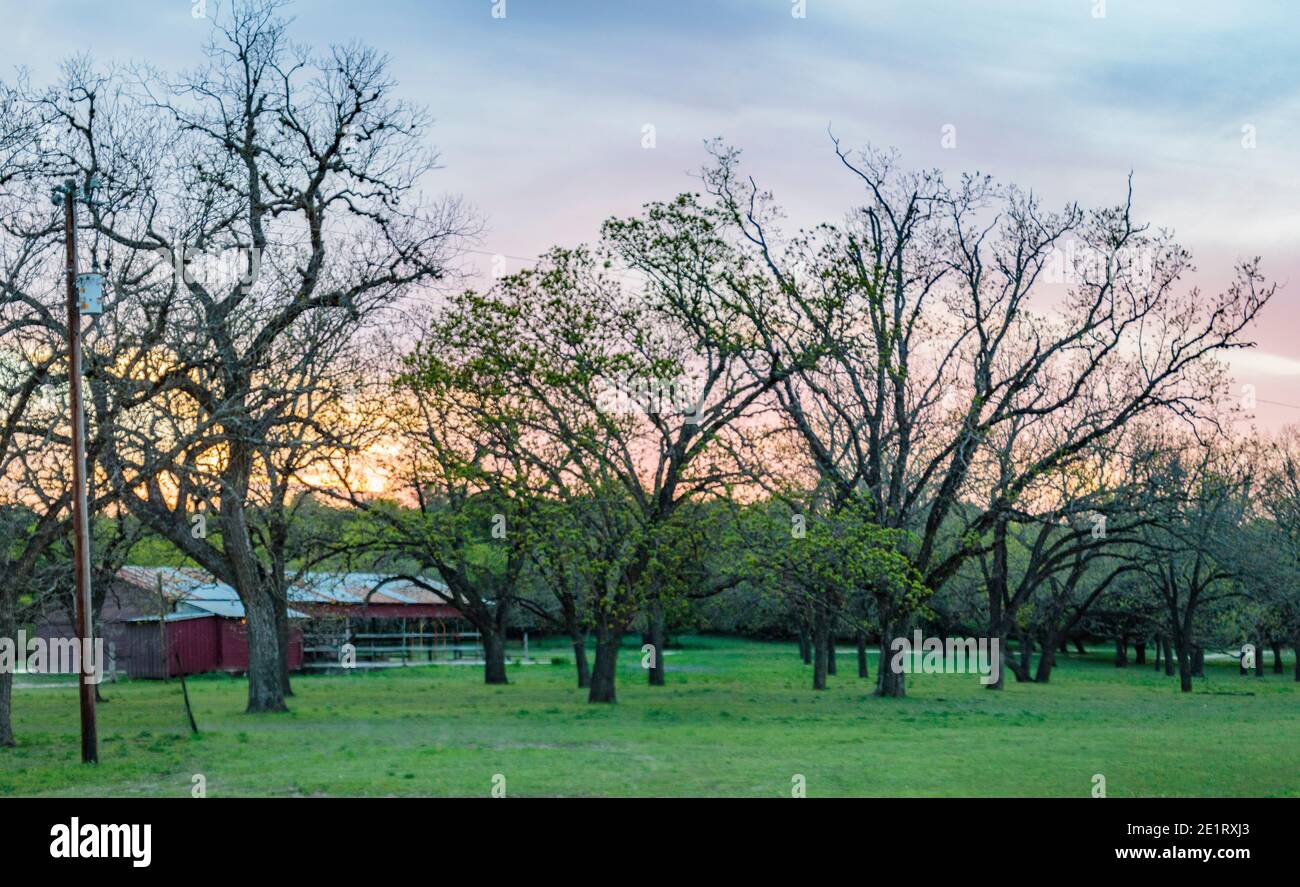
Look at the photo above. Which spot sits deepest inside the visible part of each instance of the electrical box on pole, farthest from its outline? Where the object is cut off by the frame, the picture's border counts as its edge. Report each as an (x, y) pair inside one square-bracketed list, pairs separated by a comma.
[(90, 293)]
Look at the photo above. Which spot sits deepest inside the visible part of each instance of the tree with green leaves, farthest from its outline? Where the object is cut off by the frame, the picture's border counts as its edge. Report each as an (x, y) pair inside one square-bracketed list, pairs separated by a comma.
[(633, 374), (1189, 549), (1276, 546), (841, 566), (460, 504)]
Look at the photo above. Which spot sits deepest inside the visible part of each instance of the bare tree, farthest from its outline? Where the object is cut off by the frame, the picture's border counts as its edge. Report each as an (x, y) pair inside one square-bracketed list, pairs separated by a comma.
[(922, 334), (33, 496), (255, 213)]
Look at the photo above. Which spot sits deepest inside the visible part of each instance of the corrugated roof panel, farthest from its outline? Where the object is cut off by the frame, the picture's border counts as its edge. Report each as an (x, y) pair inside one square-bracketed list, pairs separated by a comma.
[(172, 617), (197, 587), (226, 609)]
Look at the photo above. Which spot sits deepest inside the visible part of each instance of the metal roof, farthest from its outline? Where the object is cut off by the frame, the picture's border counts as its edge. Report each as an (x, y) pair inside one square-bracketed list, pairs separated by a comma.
[(360, 588), (170, 617), (174, 581), (189, 587), (226, 609), (201, 609)]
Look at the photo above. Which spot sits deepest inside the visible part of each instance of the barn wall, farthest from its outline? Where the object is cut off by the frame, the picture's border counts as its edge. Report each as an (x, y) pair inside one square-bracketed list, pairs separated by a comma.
[(203, 644), (122, 601), (233, 656), (142, 659), (196, 642), (234, 645)]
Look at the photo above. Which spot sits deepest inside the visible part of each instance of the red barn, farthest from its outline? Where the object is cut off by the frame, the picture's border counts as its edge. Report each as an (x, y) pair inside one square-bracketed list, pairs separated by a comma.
[(195, 624), (166, 620), (195, 642)]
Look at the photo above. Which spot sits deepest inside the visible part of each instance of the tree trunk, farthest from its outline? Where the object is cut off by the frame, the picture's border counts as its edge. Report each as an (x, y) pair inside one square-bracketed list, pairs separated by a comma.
[(997, 592), (1159, 646), (889, 683), (579, 639), (6, 710), (1046, 659), (265, 693), (280, 603), (1140, 652), (1169, 662), (1277, 657), (580, 657), (997, 629), (863, 671), (7, 675), (603, 674), (805, 645), (657, 639), (494, 656), (821, 652), (1121, 651), (1259, 659), (1020, 666), (1184, 666), (830, 653), (1198, 661), (1078, 646)]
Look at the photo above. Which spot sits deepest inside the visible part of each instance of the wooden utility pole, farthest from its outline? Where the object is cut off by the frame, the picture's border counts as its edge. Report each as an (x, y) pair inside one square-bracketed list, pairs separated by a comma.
[(80, 517)]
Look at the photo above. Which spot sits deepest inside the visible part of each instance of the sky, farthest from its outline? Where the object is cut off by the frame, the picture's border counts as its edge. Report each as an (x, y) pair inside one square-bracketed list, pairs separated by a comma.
[(541, 114)]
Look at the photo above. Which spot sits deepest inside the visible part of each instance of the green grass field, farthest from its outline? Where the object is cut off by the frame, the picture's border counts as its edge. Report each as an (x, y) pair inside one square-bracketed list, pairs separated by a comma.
[(737, 718)]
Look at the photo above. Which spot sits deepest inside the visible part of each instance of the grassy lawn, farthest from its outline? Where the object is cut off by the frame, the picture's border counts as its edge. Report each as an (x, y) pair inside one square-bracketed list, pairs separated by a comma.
[(737, 718)]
